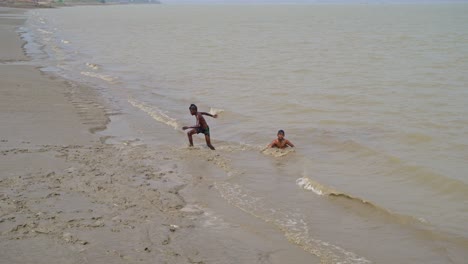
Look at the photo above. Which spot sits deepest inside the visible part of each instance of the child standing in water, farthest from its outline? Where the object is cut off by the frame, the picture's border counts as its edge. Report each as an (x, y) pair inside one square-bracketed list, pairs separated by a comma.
[(280, 142), (200, 127)]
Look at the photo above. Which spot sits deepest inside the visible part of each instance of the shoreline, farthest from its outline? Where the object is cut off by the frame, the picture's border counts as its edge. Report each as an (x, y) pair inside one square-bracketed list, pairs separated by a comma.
[(67, 196), (60, 202)]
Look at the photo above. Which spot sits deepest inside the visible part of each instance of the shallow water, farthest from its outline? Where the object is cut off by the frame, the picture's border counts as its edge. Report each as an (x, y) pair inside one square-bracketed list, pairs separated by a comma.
[(374, 96)]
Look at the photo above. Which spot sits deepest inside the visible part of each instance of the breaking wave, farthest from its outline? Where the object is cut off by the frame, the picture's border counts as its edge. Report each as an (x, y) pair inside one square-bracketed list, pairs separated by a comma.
[(156, 113)]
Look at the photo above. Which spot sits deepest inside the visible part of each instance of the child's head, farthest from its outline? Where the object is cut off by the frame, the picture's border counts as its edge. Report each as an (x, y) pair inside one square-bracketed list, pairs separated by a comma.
[(280, 134), (193, 109)]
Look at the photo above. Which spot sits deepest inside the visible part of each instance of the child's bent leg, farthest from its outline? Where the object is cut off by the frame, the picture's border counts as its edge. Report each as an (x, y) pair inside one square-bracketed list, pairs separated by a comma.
[(208, 142), (189, 134)]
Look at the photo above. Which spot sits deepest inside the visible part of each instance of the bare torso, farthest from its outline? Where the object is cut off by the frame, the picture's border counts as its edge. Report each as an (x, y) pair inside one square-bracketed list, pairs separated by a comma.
[(201, 122), (280, 143)]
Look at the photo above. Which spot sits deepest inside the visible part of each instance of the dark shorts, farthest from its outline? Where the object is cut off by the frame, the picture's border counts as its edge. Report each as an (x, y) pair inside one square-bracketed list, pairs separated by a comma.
[(205, 131)]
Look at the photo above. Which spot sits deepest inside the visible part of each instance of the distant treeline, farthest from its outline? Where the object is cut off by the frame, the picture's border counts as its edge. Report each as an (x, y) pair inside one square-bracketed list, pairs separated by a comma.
[(109, 1), (53, 3)]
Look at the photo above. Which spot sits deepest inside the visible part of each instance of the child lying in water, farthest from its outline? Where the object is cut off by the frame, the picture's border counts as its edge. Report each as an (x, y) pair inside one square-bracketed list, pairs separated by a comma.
[(280, 142)]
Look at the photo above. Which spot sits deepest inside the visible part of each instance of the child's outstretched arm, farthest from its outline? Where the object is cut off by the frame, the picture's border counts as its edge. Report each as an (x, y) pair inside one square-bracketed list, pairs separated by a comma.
[(289, 143), (188, 127), (208, 114), (268, 146), (273, 143)]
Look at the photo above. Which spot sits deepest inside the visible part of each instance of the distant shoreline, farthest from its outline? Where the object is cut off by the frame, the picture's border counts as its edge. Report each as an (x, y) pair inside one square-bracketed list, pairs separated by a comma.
[(32, 4)]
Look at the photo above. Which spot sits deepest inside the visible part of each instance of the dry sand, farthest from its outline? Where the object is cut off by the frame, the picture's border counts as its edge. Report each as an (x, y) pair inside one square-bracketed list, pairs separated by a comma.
[(68, 197)]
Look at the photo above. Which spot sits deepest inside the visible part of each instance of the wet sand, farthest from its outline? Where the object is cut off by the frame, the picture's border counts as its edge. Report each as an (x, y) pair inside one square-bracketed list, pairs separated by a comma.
[(69, 196)]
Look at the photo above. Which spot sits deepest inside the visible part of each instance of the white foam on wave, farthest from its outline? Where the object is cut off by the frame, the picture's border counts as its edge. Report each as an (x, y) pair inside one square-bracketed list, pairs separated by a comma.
[(276, 152), (65, 41), (104, 77), (216, 111), (239, 147), (156, 113), (308, 184)]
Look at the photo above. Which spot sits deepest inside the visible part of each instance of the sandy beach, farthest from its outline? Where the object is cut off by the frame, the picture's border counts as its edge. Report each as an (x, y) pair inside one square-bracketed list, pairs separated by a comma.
[(95, 166), (68, 196)]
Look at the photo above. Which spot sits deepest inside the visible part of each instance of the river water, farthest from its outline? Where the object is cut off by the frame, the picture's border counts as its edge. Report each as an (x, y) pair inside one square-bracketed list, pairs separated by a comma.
[(375, 97)]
